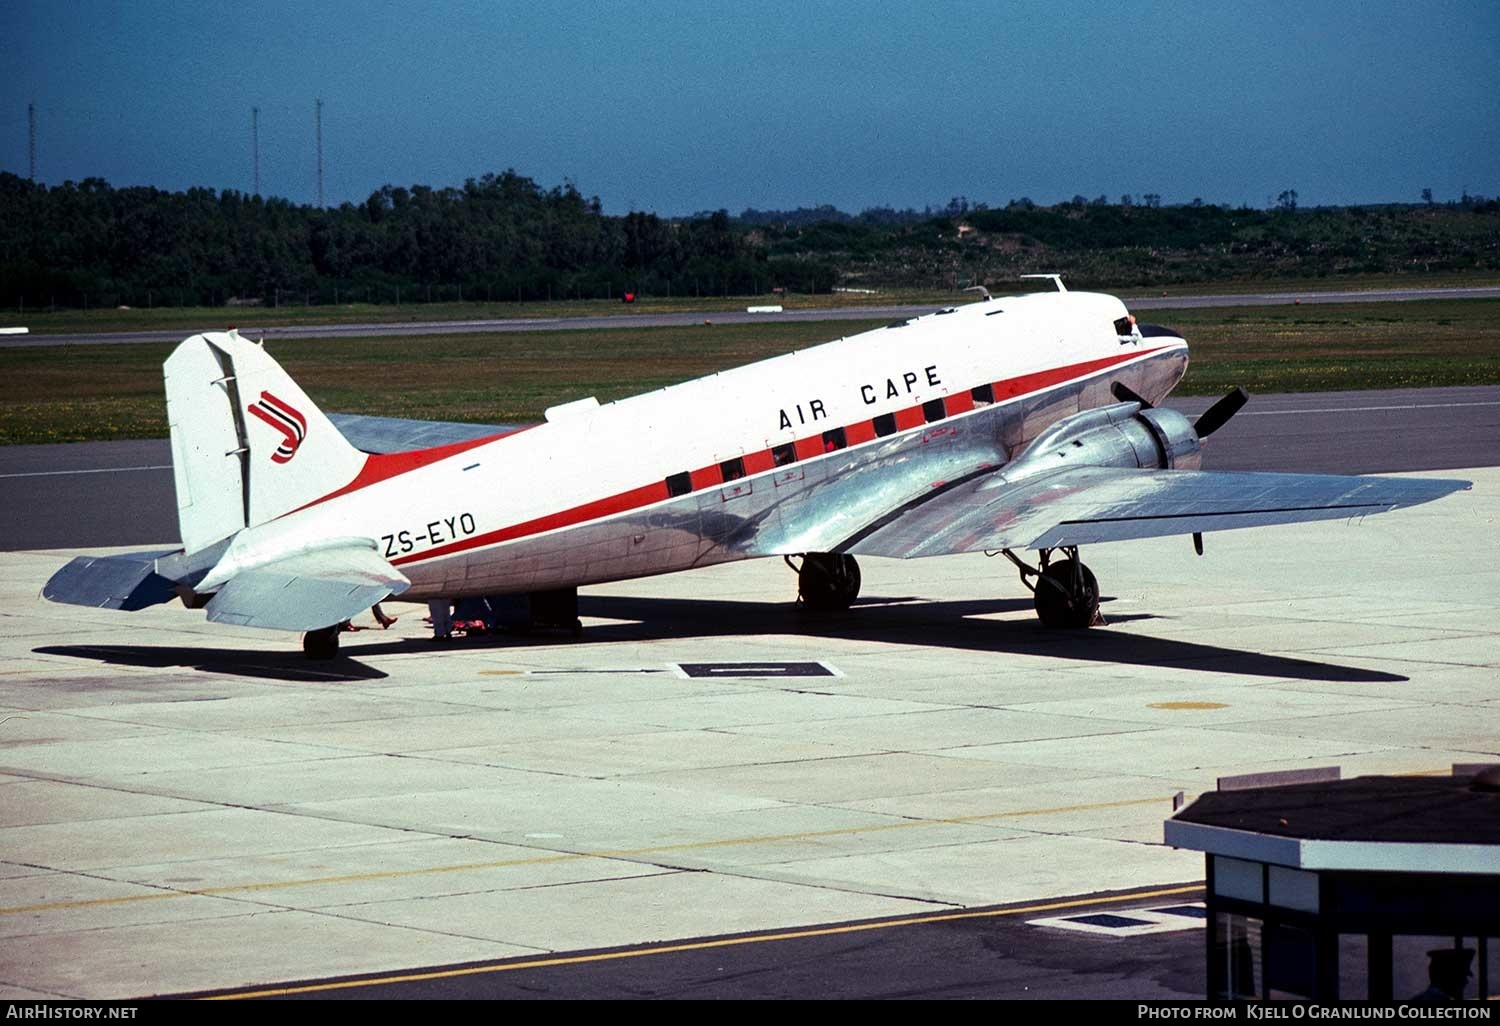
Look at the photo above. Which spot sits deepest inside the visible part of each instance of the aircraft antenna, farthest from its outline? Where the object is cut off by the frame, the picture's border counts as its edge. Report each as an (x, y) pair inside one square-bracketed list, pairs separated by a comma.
[(981, 290), (31, 138), (255, 145), (319, 128), (1056, 279)]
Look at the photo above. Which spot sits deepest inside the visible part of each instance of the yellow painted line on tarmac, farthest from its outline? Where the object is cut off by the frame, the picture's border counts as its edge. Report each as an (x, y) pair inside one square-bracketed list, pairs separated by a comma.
[(707, 945), (1187, 705), (272, 885), (906, 825), (620, 853)]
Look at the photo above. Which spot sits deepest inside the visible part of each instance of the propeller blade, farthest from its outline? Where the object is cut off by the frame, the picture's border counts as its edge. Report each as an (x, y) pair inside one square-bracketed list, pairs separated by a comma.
[(1219, 413), (1123, 393)]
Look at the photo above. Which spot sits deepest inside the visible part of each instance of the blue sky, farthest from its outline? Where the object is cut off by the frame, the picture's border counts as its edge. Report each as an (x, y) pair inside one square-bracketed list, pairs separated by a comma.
[(679, 107)]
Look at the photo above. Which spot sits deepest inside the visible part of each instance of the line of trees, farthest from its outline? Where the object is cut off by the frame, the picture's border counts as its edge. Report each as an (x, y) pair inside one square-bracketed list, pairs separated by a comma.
[(1139, 241), (503, 237), (500, 237)]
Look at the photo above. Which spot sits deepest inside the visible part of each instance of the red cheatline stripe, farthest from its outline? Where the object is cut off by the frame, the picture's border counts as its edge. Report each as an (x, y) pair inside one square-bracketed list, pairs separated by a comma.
[(622, 503), (712, 475), (382, 466)]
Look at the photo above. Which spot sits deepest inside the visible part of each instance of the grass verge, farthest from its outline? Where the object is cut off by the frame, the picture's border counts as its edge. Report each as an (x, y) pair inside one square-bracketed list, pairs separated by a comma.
[(81, 393)]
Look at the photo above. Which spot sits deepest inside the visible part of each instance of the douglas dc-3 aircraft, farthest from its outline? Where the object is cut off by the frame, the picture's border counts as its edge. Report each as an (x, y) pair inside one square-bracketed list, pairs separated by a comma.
[(1015, 423)]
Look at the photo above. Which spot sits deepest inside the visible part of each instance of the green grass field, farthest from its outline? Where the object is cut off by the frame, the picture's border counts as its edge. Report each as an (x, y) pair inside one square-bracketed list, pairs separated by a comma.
[(79, 393)]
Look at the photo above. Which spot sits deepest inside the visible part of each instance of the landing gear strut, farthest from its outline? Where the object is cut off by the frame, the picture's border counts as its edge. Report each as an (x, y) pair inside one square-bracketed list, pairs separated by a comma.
[(1065, 594), (826, 581), (323, 643)]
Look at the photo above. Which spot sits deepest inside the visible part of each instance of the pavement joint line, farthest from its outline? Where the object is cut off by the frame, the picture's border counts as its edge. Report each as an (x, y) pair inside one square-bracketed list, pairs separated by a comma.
[(99, 470), (1369, 409), (707, 945), (164, 894), (1379, 658)]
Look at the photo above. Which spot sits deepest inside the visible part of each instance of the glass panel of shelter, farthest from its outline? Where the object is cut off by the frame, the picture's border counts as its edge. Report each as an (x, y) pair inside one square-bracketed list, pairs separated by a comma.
[(1266, 940), (1251, 959)]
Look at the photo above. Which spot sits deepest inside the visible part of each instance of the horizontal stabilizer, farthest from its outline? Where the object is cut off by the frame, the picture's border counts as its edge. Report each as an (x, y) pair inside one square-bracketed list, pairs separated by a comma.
[(308, 591), (127, 582)]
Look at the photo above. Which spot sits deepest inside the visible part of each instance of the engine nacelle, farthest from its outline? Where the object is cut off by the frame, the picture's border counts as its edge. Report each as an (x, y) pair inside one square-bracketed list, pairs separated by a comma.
[(1181, 448), (1122, 435)]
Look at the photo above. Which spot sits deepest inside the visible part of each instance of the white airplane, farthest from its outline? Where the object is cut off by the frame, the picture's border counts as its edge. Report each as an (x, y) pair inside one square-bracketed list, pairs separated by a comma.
[(1014, 423)]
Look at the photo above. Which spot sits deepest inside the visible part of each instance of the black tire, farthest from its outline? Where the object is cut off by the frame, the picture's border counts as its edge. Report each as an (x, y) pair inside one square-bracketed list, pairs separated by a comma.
[(1065, 598), (322, 644), (828, 581)]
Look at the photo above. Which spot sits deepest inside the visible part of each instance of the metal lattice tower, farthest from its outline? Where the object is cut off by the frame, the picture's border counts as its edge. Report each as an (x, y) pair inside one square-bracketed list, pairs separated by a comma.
[(255, 144), (31, 138), (319, 121)]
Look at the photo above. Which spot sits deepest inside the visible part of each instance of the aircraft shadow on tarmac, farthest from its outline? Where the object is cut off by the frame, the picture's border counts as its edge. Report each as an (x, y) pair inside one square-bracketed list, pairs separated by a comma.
[(888, 620), (272, 664), (947, 625)]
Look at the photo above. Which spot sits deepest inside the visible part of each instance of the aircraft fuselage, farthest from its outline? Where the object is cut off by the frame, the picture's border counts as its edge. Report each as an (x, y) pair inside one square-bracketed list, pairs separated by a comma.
[(788, 455)]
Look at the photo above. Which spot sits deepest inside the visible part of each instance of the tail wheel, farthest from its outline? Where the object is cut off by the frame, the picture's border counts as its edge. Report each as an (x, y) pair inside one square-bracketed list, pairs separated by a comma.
[(1067, 595), (828, 581), (323, 643)]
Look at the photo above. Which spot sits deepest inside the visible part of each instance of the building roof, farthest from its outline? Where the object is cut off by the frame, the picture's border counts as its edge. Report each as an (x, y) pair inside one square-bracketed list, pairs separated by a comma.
[(1410, 824)]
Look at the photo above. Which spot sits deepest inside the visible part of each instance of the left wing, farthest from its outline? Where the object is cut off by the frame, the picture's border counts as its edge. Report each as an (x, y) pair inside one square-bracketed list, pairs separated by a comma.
[(1084, 505), (397, 434)]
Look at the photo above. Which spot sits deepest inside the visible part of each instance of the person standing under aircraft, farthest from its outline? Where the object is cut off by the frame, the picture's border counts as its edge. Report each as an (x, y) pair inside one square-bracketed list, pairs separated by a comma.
[(440, 611)]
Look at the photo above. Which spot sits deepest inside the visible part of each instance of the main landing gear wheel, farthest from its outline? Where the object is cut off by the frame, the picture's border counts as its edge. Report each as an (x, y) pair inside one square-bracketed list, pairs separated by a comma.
[(827, 581), (1067, 595), (322, 644)]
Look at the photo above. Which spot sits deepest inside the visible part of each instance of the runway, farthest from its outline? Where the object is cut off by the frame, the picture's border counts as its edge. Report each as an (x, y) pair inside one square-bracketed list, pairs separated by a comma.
[(191, 807), (645, 319)]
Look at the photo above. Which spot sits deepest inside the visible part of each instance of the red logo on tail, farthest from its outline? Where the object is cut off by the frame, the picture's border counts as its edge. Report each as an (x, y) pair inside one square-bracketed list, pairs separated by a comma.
[(284, 418)]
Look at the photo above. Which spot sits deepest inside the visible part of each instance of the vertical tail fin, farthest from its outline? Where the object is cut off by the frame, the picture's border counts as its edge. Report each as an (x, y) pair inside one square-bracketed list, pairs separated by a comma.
[(248, 445)]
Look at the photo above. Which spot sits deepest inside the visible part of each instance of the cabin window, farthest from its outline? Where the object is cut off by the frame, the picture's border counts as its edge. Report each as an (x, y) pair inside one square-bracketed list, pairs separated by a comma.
[(885, 424), (834, 439), (983, 394), (933, 410), (784, 454), (679, 484), (1125, 325), (733, 469)]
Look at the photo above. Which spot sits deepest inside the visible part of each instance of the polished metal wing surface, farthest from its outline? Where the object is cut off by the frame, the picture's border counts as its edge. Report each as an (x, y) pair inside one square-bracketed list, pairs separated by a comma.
[(380, 435), (1084, 505)]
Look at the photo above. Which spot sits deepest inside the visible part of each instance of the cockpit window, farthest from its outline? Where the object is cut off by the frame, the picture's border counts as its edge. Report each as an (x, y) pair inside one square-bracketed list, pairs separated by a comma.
[(1125, 325)]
